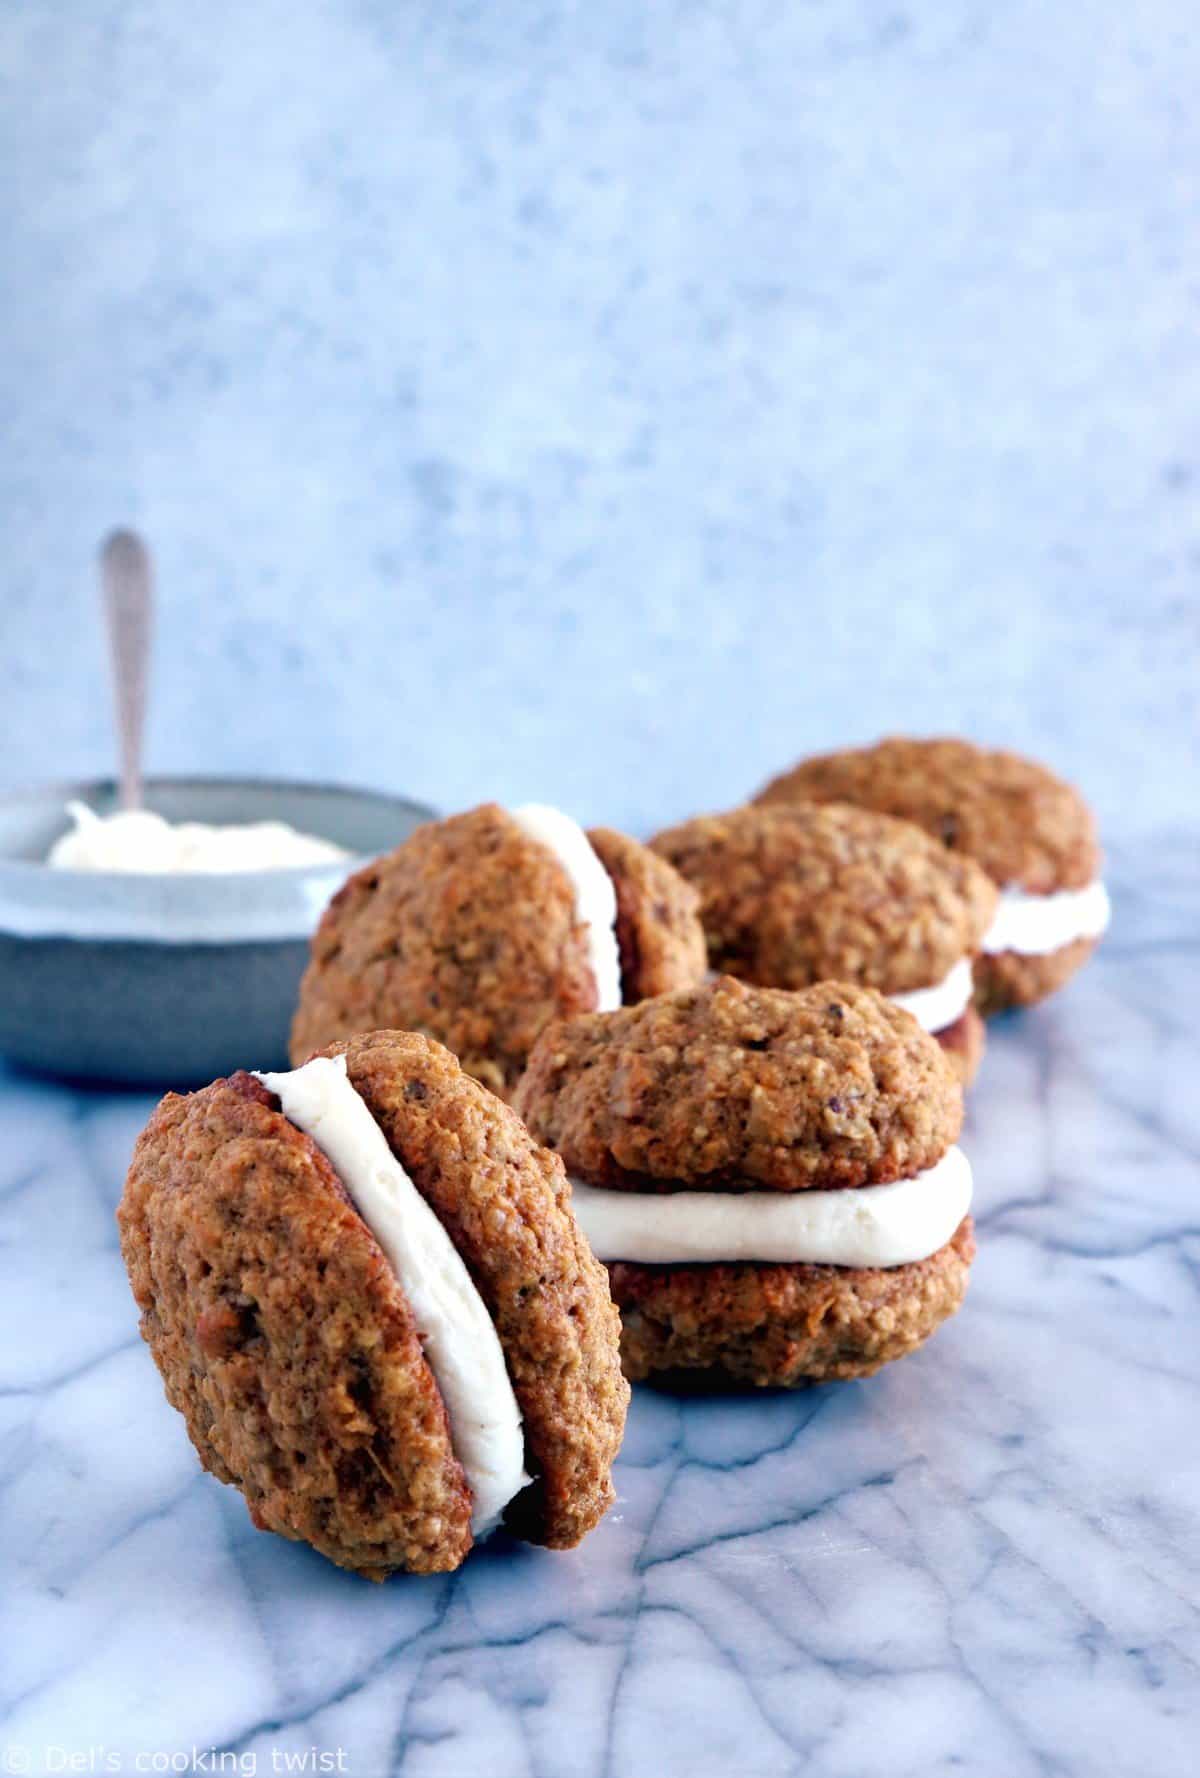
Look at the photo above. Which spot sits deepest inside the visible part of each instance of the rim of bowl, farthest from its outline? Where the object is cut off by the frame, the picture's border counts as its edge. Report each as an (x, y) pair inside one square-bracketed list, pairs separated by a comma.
[(186, 907)]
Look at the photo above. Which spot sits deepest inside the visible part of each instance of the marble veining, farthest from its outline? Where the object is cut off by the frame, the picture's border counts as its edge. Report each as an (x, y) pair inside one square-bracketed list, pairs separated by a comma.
[(986, 1560)]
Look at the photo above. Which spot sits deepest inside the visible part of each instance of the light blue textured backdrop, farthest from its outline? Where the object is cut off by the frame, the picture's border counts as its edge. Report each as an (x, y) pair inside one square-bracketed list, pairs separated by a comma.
[(606, 403)]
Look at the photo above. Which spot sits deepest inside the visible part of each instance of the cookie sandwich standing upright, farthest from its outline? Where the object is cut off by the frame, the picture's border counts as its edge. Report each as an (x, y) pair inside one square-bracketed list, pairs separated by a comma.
[(481, 928), (810, 892), (772, 1178), (1032, 833), (366, 1291)]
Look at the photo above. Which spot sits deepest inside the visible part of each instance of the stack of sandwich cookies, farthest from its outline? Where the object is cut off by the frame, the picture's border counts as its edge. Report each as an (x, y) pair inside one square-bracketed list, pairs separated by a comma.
[(481, 928), (771, 1177), (1032, 833), (807, 892), (366, 1291)]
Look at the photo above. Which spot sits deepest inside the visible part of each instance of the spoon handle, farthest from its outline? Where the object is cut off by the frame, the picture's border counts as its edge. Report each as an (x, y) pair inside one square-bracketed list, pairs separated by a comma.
[(128, 582)]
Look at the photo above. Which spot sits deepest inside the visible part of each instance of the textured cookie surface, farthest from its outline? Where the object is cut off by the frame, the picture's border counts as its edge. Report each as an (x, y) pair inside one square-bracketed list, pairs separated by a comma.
[(800, 893), (732, 1085), (283, 1338), (505, 1204), (468, 933), (659, 934), (785, 1324), (1018, 820)]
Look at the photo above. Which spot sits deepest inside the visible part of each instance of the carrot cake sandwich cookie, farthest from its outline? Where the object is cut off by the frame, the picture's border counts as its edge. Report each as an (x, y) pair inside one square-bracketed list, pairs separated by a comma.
[(812, 892), (1032, 833), (772, 1177), (366, 1291), (481, 928)]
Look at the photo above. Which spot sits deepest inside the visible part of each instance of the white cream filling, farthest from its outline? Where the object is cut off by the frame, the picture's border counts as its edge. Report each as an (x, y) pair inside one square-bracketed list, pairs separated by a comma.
[(460, 1340), (937, 1008), (595, 897), (873, 1225), (137, 840), (1035, 925)]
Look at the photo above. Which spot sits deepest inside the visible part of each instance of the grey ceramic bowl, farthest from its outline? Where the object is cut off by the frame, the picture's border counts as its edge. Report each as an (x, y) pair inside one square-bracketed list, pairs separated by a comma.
[(168, 980)]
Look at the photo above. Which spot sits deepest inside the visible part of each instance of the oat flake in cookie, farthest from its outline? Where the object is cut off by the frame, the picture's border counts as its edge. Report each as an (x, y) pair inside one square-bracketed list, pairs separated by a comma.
[(481, 928), (771, 1177), (1032, 833), (810, 892), (367, 1293)]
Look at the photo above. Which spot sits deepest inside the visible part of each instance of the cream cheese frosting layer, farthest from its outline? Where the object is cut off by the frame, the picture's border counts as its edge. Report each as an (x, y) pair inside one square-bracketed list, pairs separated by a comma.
[(459, 1337), (873, 1225), (595, 897), (1035, 925), (937, 1008)]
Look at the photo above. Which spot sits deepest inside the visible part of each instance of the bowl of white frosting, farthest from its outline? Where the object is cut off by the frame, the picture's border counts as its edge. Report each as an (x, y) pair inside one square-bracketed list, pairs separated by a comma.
[(164, 945)]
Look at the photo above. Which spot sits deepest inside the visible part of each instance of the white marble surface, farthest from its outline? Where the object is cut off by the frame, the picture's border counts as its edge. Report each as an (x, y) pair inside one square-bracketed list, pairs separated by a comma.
[(986, 1560)]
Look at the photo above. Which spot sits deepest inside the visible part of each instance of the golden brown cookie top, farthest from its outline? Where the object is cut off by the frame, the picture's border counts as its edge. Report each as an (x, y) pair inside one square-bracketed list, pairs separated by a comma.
[(469, 933), (728, 1085), (799, 893), (1019, 821)]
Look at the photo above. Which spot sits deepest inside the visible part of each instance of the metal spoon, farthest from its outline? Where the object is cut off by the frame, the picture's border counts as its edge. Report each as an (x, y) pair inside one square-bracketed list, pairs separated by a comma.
[(127, 579)]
